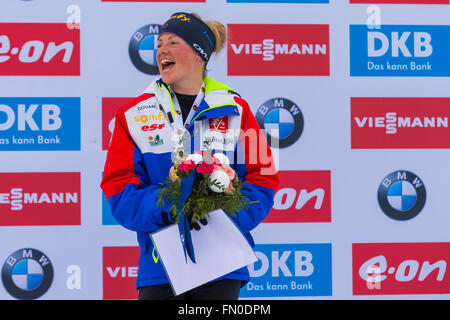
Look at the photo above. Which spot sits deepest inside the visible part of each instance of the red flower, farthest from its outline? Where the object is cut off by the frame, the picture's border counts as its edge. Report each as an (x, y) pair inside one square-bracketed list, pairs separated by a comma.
[(205, 168), (186, 165)]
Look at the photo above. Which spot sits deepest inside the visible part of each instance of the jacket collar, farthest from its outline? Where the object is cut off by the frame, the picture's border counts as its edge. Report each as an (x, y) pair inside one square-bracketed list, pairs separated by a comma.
[(218, 99)]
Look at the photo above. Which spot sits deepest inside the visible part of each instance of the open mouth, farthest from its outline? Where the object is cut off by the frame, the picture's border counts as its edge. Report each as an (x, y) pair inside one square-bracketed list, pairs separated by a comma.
[(167, 64)]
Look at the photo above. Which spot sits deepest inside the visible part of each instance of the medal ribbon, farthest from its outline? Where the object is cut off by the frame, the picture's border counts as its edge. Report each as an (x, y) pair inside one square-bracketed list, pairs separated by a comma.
[(183, 223)]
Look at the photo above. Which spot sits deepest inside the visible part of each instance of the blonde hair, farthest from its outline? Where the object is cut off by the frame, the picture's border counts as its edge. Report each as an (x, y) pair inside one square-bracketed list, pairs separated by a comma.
[(220, 33)]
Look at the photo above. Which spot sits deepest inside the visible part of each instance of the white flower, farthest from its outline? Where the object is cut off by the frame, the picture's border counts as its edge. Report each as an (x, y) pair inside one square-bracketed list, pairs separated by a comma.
[(197, 158), (221, 178), (223, 159)]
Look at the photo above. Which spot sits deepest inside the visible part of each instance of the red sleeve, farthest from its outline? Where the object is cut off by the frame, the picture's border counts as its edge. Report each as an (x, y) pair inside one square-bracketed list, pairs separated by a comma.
[(119, 167), (259, 161)]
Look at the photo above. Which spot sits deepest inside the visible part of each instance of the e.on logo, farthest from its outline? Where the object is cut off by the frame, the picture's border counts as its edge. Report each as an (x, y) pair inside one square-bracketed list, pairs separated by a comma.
[(120, 268), (401, 268), (302, 196), (278, 50), (39, 49)]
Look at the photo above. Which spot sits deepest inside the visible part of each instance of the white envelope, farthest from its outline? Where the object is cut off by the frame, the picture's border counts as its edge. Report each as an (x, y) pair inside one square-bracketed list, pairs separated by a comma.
[(219, 247)]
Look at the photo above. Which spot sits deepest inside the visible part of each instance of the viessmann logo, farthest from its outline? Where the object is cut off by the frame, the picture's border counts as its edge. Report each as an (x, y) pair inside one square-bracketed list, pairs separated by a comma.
[(400, 50), (401, 268), (120, 268), (39, 49), (400, 123), (278, 49), (40, 199), (303, 196)]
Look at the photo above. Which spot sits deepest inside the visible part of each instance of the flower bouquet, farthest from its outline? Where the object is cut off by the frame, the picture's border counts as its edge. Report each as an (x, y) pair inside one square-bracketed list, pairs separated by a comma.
[(216, 185)]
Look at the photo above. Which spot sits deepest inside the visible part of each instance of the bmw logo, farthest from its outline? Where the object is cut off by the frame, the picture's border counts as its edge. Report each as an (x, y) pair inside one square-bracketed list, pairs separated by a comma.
[(143, 47), (27, 274), (401, 195), (282, 120)]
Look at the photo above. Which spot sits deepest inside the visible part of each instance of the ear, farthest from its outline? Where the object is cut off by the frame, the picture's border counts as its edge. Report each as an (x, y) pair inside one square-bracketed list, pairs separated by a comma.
[(198, 59), (200, 63)]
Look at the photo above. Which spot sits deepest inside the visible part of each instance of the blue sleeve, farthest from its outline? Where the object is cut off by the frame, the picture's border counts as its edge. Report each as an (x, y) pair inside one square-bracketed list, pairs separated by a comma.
[(127, 186), (135, 208), (262, 198)]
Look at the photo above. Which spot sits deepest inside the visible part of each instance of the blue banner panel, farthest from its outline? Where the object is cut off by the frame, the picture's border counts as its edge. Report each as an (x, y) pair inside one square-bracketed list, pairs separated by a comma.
[(400, 51), (290, 270), (39, 124)]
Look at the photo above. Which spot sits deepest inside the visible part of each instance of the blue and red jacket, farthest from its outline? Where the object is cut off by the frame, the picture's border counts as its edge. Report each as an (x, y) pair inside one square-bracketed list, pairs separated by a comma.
[(140, 156)]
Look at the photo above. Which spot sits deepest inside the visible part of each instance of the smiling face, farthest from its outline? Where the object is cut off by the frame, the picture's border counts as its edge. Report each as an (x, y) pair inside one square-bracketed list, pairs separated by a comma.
[(179, 65)]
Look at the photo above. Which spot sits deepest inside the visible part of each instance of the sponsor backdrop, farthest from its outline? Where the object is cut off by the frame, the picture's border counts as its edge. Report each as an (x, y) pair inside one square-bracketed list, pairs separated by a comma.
[(359, 90)]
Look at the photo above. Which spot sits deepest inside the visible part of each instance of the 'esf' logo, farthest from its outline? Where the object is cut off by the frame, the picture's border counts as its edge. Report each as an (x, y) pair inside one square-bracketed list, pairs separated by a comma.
[(27, 274), (39, 49), (142, 49), (401, 195), (30, 124), (290, 270), (399, 50), (282, 121)]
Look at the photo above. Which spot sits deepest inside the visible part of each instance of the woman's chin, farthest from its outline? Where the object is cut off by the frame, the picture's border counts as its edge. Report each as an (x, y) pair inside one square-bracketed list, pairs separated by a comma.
[(166, 78)]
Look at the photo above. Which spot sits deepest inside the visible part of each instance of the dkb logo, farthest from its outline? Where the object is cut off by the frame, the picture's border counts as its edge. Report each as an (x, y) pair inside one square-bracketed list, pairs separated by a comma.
[(31, 124), (290, 270), (399, 50)]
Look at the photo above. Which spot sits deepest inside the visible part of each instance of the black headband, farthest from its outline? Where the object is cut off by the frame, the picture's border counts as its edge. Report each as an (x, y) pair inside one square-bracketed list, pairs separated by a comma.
[(192, 30)]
